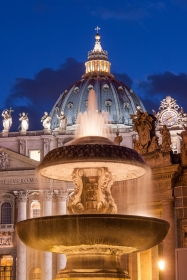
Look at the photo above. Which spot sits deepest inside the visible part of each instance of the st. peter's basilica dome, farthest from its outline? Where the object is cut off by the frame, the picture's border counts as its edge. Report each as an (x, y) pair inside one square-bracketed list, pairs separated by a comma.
[(113, 96)]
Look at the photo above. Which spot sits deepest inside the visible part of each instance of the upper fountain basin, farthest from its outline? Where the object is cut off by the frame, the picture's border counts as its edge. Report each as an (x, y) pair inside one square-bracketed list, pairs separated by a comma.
[(92, 152), (70, 233)]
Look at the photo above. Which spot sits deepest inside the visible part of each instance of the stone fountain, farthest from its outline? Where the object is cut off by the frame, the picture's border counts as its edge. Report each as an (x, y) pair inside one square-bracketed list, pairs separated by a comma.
[(93, 236)]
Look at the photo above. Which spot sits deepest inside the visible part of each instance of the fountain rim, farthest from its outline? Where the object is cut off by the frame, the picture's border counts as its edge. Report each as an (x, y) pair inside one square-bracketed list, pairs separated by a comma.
[(81, 225)]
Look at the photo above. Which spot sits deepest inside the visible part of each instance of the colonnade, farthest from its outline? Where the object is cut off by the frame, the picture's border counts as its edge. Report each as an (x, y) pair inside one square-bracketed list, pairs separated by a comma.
[(47, 200)]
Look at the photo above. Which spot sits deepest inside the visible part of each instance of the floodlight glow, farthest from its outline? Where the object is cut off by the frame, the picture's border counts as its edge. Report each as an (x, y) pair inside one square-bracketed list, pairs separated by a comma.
[(161, 264)]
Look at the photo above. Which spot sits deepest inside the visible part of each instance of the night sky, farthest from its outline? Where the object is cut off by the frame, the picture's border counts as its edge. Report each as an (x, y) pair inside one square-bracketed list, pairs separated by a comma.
[(44, 45)]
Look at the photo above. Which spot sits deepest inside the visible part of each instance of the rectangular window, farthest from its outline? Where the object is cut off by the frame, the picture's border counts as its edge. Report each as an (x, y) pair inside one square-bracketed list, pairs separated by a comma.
[(34, 154), (36, 213)]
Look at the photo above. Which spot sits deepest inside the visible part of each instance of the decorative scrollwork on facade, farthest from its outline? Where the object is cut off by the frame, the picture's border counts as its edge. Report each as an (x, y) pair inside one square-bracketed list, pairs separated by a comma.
[(47, 142), (4, 160), (47, 194), (21, 195), (170, 114)]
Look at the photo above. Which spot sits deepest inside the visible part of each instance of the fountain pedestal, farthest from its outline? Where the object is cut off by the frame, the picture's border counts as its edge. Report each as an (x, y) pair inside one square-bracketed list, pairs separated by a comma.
[(93, 265)]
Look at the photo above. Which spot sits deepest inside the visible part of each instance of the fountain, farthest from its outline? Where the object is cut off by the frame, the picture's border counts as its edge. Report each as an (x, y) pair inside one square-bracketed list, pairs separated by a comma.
[(93, 236)]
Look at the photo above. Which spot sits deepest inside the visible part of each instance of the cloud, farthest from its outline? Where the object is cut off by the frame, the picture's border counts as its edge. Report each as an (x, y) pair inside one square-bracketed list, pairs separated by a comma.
[(123, 78), (34, 96), (158, 86), (130, 11)]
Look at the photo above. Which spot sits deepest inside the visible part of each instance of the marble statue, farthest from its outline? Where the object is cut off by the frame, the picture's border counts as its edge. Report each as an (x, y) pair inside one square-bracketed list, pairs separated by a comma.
[(62, 121), (183, 135), (24, 122), (166, 139), (7, 119), (46, 120), (142, 125), (118, 139)]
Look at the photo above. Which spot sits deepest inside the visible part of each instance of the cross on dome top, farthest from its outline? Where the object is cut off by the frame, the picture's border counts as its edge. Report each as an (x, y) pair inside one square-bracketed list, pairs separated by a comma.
[(97, 28)]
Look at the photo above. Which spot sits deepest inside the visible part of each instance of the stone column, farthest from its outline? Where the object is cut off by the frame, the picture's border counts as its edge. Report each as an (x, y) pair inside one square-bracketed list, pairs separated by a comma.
[(47, 256), (21, 247), (169, 241), (14, 266), (61, 210)]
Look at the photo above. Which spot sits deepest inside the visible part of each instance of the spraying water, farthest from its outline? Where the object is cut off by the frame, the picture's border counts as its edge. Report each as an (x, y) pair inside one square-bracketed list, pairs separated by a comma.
[(91, 122)]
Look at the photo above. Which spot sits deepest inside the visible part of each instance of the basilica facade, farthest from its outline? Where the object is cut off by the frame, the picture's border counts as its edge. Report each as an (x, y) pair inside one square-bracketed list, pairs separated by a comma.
[(161, 139)]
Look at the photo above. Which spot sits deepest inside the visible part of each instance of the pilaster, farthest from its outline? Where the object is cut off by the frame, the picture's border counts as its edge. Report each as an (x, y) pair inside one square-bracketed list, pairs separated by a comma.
[(21, 247)]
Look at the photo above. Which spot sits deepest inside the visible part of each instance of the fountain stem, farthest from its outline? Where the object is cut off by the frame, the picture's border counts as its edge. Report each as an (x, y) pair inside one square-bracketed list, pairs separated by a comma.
[(92, 191)]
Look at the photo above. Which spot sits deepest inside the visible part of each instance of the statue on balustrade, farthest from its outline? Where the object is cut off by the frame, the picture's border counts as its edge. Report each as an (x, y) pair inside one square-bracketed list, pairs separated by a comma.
[(144, 126), (46, 121), (7, 119), (183, 135), (118, 139), (62, 121), (166, 139), (24, 122)]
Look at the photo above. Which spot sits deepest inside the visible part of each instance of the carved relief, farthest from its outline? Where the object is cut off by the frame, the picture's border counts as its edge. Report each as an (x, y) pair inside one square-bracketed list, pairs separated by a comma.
[(157, 158), (6, 239), (47, 195), (74, 204), (106, 202), (144, 125), (60, 142), (47, 142), (21, 195), (4, 160), (92, 192), (166, 139), (62, 195)]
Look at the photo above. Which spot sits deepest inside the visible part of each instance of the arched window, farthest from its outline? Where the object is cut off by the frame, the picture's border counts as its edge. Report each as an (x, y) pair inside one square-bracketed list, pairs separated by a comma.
[(35, 273), (6, 210), (35, 209)]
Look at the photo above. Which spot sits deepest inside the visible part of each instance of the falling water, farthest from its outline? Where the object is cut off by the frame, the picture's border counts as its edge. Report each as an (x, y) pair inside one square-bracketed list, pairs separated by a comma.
[(91, 122), (133, 197)]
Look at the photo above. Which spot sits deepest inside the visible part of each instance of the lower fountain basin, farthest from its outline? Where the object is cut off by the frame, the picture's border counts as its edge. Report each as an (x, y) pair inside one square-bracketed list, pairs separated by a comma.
[(92, 232)]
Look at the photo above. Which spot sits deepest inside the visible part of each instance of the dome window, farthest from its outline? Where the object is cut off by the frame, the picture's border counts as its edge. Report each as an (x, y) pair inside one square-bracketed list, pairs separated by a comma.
[(76, 89), (126, 105), (108, 104), (106, 87), (70, 105), (120, 89), (90, 87), (131, 91), (86, 103)]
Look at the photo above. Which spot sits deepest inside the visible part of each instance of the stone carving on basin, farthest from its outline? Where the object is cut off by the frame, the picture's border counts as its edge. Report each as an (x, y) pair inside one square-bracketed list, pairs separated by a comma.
[(96, 194)]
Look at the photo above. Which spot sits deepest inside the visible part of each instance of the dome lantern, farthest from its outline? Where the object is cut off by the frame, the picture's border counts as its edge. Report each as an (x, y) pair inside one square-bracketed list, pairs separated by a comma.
[(97, 58)]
